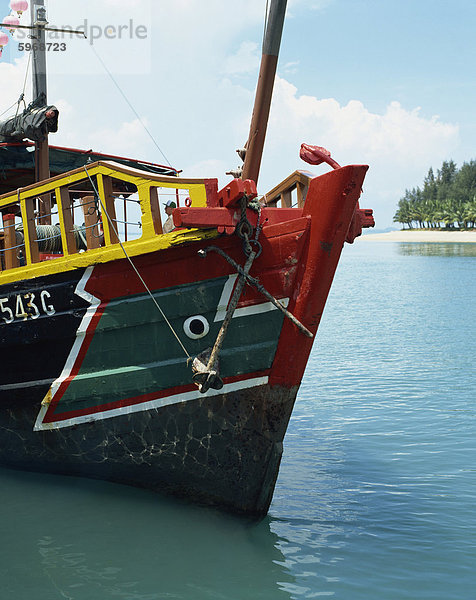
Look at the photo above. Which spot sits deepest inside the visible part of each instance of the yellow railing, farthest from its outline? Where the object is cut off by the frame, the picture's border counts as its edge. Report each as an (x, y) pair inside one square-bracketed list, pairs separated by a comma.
[(97, 195)]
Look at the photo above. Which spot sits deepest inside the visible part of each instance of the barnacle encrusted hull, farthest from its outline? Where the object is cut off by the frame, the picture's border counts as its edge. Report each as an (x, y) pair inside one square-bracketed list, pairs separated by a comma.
[(222, 449)]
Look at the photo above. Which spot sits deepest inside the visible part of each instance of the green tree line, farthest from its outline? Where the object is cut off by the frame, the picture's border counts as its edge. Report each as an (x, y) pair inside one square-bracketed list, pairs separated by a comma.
[(446, 201)]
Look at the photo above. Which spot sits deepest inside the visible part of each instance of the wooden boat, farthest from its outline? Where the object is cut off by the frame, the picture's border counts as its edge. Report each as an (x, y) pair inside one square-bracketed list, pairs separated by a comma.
[(170, 361)]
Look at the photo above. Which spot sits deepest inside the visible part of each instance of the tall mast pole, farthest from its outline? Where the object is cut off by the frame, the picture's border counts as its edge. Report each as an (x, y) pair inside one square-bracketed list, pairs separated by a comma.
[(264, 91), (42, 162)]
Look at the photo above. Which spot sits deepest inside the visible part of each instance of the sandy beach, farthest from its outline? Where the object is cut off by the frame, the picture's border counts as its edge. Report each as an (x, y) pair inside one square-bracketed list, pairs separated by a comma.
[(421, 236)]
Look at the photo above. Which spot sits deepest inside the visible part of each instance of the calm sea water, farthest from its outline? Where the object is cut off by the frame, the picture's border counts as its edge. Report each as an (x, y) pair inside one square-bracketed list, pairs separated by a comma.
[(376, 495)]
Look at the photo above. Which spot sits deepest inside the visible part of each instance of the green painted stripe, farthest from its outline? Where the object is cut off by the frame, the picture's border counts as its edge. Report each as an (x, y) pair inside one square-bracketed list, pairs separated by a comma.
[(134, 353)]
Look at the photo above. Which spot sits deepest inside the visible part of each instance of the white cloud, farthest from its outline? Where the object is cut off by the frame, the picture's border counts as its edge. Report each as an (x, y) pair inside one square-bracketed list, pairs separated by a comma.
[(199, 114), (290, 67), (127, 139), (245, 60), (204, 168), (400, 134), (13, 75), (399, 145)]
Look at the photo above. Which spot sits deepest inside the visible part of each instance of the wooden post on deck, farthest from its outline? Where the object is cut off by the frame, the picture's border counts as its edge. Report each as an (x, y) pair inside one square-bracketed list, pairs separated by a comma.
[(91, 219), (42, 158), (10, 242)]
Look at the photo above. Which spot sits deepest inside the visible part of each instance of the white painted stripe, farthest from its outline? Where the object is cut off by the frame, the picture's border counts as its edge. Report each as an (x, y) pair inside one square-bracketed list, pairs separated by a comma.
[(225, 298), (255, 309), (25, 384), (80, 335), (150, 405), (82, 329)]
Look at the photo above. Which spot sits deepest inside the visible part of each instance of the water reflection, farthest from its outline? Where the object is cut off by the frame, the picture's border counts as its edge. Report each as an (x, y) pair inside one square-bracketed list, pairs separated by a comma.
[(435, 249), (79, 539), (376, 495)]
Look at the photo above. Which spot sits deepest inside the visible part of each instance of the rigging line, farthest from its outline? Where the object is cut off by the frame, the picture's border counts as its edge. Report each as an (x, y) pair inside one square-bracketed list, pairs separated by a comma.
[(130, 105), (9, 108), (22, 97), (27, 70), (111, 223)]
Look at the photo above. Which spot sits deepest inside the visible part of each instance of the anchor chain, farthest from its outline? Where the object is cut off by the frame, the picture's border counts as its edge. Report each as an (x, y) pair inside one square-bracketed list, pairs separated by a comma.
[(205, 366), (244, 229), (206, 376)]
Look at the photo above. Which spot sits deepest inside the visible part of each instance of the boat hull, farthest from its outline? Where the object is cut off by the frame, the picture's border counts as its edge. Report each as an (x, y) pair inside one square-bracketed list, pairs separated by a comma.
[(222, 449), (96, 382), (100, 387)]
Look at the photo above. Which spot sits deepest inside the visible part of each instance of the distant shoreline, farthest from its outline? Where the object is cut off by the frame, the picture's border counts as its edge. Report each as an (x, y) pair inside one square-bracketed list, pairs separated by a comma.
[(419, 236)]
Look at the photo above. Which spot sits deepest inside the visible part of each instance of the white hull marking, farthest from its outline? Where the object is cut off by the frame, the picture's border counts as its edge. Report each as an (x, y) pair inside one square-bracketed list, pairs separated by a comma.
[(78, 342), (246, 311), (150, 405)]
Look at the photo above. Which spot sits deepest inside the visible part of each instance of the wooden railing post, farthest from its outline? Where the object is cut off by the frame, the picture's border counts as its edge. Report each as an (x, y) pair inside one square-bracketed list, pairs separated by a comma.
[(91, 218), (108, 200), (286, 198), (155, 210), (302, 190), (29, 230), (10, 242), (65, 213), (299, 180)]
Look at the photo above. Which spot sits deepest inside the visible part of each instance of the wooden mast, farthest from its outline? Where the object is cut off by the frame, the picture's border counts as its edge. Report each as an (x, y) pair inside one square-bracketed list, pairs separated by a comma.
[(264, 91), (42, 159)]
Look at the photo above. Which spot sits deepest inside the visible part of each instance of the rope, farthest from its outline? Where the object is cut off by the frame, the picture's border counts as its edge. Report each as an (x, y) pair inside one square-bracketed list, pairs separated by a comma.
[(12, 248), (22, 96), (255, 283), (244, 229), (9, 108), (206, 376), (111, 223), (130, 105)]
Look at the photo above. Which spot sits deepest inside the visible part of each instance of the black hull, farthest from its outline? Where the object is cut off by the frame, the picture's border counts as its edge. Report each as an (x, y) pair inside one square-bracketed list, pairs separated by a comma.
[(223, 450)]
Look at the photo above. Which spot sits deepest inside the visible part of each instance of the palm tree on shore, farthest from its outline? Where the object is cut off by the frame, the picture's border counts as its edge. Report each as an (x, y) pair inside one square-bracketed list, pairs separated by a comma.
[(447, 200)]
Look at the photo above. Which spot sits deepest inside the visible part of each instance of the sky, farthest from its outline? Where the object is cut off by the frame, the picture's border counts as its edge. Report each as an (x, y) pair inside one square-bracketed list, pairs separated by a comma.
[(386, 83)]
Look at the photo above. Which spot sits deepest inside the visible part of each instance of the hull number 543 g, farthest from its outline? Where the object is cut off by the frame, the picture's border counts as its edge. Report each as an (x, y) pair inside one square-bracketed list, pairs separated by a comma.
[(26, 306)]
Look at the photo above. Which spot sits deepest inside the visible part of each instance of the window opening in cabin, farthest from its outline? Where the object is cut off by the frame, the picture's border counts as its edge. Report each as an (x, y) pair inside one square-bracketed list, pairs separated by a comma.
[(12, 242), (84, 215), (48, 231), (294, 198), (163, 201), (127, 214)]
